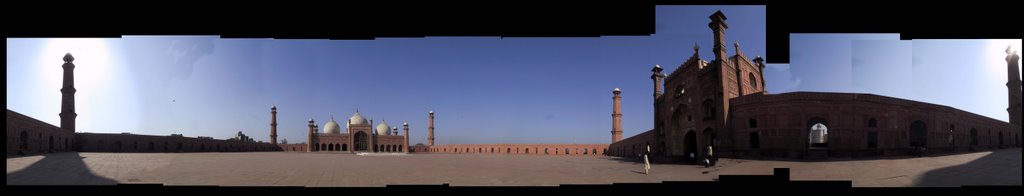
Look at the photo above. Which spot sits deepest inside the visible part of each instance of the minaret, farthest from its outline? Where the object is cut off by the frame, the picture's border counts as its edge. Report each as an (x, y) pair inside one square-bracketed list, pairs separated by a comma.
[(616, 116), (739, 72), (718, 26), (1013, 84), (67, 103), (309, 144), (760, 66), (656, 76), (405, 127), (273, 125), (430, 129)]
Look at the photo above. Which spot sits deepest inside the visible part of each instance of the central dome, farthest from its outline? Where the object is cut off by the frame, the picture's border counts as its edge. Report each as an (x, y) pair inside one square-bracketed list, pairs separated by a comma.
[(358, 119), (383, 128), (332, 127)]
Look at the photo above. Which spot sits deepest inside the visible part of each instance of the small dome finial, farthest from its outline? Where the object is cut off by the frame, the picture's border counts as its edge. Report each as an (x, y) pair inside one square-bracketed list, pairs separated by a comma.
[(736, 43), (695, 47), (68, 58), (616, 90)]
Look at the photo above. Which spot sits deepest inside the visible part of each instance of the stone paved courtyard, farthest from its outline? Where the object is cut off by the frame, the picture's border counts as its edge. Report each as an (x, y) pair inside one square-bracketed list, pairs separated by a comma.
[(1001, 167)]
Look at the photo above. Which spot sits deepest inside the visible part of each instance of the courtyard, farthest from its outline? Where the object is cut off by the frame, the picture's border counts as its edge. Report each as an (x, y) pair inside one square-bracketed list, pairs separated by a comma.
[(320, 169)]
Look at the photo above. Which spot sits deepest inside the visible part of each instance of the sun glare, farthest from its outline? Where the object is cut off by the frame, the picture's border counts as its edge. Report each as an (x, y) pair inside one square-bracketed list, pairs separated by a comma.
[(92, 70)]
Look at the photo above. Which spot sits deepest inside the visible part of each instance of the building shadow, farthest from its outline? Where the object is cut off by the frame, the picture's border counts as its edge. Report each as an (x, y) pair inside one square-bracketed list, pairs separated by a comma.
[(1001, 167), (66, 168)]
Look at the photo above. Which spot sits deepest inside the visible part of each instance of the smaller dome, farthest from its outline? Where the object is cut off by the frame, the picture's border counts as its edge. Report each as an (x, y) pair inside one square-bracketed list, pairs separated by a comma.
[(616, 90), (332, 127), (383, 128)]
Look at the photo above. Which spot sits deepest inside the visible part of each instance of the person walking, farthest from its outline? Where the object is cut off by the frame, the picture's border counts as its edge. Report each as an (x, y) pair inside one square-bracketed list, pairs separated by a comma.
[(647, 163), (708, 161)]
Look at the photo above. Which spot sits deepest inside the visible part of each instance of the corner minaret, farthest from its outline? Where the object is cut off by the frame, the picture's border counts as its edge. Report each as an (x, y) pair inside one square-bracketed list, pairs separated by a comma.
[(616, 116), (309, 144), (1013, 84), (657, 76), (405, 127), (273, 125), (67, 103), (430, 129), (718, 25)]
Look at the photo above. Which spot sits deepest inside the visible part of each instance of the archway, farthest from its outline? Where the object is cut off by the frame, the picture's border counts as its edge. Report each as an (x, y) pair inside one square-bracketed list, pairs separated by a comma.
[(817, 133), (330, 147), (117, 146), (918, 134), (152, 147), (1000, 138), (23, 140), (344, 147), (361, 141), (974, 137), (51, 141), (337, 147), (690, 142)]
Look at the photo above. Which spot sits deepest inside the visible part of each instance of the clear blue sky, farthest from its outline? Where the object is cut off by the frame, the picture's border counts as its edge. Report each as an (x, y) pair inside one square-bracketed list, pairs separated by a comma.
[(482, 89)]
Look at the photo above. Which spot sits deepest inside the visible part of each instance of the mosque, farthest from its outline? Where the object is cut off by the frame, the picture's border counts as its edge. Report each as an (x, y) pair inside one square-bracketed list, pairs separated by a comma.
[(719, 103)]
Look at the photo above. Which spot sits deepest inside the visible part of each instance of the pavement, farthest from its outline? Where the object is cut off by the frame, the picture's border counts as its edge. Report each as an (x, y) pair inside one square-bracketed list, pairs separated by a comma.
[(324, 169)]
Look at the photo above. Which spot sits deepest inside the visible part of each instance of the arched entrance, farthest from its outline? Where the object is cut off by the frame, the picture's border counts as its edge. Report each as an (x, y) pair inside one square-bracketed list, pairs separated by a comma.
[(361, 141), (918, 133), (117, 146), (817, 133), (23, 142), (690, 142), (1000, 138)]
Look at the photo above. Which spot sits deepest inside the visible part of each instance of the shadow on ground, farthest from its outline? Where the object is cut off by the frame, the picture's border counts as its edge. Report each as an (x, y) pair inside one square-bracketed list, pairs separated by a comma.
[(66, 168), (1001, 167)]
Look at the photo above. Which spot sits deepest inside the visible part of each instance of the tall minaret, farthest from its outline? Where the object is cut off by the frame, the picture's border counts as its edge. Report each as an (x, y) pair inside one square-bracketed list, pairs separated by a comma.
[(656, 76), (405, 127), (718, 25), (430, 128), (67, 103), (616, 116), (1013, 84), (309, 144), (273, 125)]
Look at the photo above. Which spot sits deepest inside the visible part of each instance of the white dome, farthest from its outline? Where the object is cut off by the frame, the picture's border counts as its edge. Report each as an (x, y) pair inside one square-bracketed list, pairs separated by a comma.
[(332, 127), (358, 119), (383, 128)]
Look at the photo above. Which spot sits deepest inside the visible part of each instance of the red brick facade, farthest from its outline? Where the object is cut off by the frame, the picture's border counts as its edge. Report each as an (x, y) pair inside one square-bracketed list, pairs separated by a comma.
[(28, 136), (722, 103), (525, 149)]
